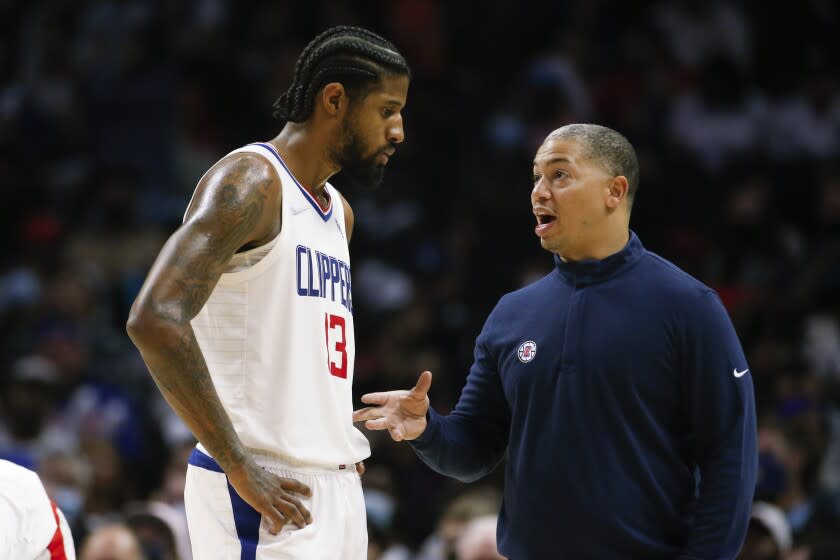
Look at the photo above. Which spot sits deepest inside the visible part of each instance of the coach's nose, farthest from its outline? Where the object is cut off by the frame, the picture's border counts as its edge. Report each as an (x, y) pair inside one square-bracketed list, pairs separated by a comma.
[(540, 192)]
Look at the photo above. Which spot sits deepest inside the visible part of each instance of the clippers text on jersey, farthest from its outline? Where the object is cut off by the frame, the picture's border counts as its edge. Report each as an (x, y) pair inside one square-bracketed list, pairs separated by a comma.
[(320, 275)]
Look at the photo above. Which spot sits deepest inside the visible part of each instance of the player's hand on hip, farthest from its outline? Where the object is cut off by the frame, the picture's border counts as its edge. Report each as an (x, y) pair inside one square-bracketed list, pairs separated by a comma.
[(402, 413), (271, 495)]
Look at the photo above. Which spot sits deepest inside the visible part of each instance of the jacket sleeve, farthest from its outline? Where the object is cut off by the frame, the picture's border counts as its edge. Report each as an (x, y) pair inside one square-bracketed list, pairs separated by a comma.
[(469, 442), (721, 406)]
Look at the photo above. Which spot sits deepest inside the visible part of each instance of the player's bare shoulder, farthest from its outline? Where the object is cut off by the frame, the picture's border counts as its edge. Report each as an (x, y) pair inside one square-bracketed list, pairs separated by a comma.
[(241, 194), (236, 206)]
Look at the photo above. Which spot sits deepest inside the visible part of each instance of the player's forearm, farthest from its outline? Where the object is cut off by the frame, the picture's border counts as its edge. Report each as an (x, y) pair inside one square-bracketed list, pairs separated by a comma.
[(178, 368)]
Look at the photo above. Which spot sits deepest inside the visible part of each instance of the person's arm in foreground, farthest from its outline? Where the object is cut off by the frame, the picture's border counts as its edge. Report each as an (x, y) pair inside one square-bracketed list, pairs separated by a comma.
[(466, 444), (234, 205), (722, 409)]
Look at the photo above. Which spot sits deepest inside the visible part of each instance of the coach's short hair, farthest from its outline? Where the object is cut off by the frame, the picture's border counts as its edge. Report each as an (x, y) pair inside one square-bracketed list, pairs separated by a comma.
[(609, 148), (355, 57)]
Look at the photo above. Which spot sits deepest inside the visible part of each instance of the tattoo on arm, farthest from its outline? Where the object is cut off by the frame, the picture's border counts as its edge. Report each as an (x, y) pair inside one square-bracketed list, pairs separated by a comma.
[(233, 205)]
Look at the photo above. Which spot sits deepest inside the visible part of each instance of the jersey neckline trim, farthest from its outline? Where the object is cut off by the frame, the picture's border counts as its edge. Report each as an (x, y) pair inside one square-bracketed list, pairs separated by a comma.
[(325, 214)]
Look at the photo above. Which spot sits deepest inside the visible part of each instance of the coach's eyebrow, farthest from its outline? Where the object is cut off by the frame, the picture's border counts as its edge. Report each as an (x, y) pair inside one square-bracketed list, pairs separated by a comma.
[(555, 160)]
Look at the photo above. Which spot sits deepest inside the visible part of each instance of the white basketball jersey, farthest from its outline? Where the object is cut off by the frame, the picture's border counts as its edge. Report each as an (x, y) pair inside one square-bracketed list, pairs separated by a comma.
[(278, 335), (27, 520)]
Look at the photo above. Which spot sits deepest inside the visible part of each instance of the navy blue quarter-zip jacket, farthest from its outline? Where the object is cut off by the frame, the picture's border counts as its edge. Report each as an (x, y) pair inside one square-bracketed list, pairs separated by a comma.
[(622, 396)]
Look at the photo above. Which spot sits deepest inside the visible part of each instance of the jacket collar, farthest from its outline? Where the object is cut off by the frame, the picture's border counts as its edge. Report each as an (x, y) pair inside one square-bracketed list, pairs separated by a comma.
[(582, 273)]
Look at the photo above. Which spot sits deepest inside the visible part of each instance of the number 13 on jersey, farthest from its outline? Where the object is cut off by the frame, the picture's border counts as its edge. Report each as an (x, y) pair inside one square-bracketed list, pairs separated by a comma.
[(334, 327)]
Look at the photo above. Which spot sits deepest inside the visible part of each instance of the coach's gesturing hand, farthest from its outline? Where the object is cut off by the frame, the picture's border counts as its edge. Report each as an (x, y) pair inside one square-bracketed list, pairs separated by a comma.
[(271, 495), (402, 413)]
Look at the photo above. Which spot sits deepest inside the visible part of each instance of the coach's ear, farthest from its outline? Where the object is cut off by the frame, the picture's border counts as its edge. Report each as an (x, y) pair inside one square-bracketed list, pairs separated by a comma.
[(617, 191)]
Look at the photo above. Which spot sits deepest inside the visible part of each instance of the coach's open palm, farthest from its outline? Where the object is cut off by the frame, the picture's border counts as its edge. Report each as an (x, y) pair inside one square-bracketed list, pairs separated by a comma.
[(402, 413), (271, 495)]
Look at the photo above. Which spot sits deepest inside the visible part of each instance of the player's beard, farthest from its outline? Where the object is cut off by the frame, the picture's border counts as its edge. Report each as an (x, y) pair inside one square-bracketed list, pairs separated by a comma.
[(360, 169)]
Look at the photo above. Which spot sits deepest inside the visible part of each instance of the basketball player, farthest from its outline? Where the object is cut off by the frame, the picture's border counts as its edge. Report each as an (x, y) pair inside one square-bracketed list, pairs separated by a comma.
[(31, 526), (245, 320)]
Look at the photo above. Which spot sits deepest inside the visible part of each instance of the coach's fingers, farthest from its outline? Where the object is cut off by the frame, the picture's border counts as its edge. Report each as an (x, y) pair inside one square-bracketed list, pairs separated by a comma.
[(378, 424), (396, 433), (376, 398), (369, 413), (424, 383)]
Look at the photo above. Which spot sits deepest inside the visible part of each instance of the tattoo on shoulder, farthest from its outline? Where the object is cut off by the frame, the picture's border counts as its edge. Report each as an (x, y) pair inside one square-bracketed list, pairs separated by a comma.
[(235, 204)]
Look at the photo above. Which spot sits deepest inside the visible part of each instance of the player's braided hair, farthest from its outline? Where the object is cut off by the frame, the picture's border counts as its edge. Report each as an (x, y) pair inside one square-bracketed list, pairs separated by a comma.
[(355, 57)]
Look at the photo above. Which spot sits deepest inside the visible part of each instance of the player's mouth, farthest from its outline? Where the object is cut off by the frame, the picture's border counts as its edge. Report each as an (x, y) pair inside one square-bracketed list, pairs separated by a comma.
[(545, 221), (384, 157)]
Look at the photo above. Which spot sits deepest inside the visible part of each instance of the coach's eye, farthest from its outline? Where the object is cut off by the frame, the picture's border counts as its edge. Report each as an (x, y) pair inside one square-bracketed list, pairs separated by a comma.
[(387, 113)]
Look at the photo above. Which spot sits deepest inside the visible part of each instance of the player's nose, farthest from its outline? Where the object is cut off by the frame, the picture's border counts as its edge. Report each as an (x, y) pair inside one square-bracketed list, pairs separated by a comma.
[(396, 134)]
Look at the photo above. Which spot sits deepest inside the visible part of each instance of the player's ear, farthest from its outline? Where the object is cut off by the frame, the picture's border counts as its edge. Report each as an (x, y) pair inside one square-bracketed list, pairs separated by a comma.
[(334, 99), (617, 191)]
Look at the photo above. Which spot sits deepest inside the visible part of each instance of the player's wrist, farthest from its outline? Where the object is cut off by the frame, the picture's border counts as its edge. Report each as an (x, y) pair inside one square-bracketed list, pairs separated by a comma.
[(236, 462)]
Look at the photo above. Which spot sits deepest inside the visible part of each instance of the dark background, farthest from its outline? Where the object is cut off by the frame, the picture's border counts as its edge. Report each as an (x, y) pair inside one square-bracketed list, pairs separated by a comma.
[(110, 112)]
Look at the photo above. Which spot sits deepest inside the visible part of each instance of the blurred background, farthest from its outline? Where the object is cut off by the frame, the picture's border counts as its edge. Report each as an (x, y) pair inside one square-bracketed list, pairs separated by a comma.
[(111, 110)]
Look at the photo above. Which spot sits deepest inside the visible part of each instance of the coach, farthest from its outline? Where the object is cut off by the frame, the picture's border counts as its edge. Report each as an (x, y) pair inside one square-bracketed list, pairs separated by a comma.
[(616, 384)]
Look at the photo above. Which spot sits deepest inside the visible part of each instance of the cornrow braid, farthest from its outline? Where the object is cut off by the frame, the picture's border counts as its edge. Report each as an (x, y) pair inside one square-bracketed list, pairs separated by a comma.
[(355, 57)]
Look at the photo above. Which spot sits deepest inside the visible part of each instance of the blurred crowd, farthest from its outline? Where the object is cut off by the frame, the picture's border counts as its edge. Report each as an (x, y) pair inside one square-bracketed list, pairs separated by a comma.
[(111, 110)]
